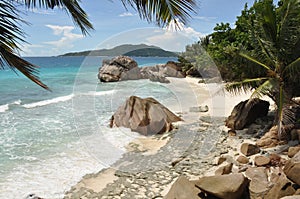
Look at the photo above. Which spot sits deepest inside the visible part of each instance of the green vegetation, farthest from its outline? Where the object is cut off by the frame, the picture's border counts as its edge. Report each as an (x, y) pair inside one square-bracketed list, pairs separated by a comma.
[(140, 50), (163, 12), (262, 54)]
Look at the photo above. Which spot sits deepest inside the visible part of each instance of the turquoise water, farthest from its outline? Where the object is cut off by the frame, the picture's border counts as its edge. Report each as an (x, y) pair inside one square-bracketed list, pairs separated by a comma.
[(49, 140)]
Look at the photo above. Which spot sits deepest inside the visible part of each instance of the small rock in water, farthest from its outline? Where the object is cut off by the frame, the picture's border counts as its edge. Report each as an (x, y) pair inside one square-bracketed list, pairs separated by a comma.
[(199, 109), (33, 196)]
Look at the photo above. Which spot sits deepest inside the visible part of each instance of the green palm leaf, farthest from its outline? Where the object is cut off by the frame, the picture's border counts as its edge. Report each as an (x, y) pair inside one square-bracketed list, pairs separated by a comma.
[(72, 7), (245, 85), (255, 61), (163, 11), (264, 89)]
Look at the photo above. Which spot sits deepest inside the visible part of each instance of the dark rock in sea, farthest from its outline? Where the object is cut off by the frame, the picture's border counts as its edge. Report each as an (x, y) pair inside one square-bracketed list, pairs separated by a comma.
[(33, 196), (123, 68), (292, 169), (145, 116), (246, 112), (119, 68), (230, 186), (184, 189), (199, 109)]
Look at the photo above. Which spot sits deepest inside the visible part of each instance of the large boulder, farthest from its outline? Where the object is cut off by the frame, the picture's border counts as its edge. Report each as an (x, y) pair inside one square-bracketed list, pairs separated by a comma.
[(119, 68), (172, 69), (246, 112), (145, 116), (292, 169), (182, 188), (259, 184), (230, 186)]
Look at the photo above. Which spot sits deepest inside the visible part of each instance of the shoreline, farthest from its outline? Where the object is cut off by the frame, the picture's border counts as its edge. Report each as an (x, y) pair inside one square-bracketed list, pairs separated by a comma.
[(169, 154)]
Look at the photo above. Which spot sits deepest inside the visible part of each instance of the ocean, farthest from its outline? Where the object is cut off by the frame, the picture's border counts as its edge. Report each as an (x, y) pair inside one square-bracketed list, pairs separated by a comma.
[(50, 140)]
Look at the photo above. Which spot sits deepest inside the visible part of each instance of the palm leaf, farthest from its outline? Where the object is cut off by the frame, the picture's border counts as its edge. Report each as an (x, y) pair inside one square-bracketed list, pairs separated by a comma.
[(244, 86), (25, 67), (293, 68), (72, 7), (263, 89), (289, 30), (255, 61), (163, 11)]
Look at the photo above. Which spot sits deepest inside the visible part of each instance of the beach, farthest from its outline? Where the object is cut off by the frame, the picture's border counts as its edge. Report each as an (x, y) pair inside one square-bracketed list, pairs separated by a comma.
[(152, 164)]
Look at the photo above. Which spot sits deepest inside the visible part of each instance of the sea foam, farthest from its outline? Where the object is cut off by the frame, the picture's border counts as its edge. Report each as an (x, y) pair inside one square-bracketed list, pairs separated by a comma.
[(49, 101)]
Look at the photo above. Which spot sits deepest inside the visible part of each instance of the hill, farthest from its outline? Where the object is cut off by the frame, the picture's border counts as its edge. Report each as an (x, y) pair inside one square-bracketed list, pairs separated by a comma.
[(141, 50)]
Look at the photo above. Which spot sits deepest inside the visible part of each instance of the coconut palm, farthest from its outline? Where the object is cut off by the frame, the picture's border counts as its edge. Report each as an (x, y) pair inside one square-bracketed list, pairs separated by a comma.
[(275, 38), (163, 12)]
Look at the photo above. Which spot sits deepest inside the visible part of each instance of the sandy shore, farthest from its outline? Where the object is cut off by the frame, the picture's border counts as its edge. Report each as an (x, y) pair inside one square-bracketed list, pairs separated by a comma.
[(152, 156)]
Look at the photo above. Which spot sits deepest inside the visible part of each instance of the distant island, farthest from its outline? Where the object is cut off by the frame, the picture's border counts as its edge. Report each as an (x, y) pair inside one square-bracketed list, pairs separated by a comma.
[(141, 50)]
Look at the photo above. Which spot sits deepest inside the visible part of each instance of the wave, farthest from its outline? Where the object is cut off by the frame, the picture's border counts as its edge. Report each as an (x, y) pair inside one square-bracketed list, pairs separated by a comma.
[(49, 101), (5, 107), (65, 98)]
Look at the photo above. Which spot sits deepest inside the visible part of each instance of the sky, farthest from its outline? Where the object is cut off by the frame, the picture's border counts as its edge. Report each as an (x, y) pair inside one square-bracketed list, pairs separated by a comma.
[(52, 32)]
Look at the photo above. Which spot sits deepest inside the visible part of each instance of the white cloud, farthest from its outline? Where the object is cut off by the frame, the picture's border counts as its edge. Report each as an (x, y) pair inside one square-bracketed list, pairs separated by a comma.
[(175, 38), (203, 18), (67, 37), (126, 14)]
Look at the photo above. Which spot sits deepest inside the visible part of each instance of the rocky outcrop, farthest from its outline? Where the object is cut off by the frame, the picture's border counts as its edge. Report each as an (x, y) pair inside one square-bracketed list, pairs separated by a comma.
[(119, 68), (223, 186), (145, 116), (246, 112), (125, 68)]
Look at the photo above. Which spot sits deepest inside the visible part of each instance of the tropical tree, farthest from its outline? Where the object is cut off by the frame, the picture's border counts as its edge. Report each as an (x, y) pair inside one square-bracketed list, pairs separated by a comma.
[(162, 12), (275, 54)]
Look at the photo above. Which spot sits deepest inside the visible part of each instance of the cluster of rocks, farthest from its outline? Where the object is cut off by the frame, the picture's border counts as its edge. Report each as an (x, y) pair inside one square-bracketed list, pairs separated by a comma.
[(122, 68), (253, 173)]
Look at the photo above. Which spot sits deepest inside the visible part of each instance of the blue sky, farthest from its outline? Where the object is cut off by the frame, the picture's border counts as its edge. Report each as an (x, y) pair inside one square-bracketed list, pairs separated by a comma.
[(51, 32)]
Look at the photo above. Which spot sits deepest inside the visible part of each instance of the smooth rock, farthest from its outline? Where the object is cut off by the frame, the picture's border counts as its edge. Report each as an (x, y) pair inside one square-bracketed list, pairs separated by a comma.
[(283, 187), (242, 159), (182, 188), (246, 112), (261, 160), (224, 186), (293, 151), (249, 149), (270, 139), (145, 116), (223, 170), (292, 169), (258, 186)]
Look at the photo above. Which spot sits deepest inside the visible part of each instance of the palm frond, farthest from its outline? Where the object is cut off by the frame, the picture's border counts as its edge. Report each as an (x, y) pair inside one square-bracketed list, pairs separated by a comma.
[(79, 16), (163, 12), (25, 67), (293, 68), (289, 30), (263, 89), (255, 61), (245, 85)]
